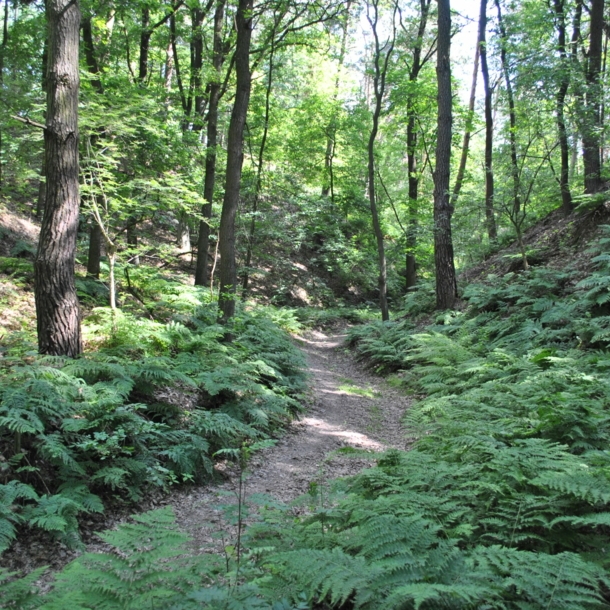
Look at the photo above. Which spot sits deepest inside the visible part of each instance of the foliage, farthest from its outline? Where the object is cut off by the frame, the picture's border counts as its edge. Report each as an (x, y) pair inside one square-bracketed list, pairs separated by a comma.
[(149, 407)]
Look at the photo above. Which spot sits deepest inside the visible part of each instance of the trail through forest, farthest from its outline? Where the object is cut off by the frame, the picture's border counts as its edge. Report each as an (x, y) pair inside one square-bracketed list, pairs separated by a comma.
[(348, 407)]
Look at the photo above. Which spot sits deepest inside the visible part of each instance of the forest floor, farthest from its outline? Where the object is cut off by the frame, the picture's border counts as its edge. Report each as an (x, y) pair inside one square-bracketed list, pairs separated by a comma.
[(347, 407)]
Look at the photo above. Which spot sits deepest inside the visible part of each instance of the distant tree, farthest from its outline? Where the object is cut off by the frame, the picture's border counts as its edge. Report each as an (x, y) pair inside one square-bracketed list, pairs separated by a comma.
[(446, 285), (57, 308)]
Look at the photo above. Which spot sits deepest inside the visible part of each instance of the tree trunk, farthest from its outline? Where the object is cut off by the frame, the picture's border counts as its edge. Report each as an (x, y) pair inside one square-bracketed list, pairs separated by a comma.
[(517, 213), (564, 176), (259, 169), (446, 285), (413, 179), (380, 67), (184, 234), (331, 130), (490, 218), (57, 308), (203, 242), (3, 48), (467, 131), (592, 122), (235, 146), (95, 247)]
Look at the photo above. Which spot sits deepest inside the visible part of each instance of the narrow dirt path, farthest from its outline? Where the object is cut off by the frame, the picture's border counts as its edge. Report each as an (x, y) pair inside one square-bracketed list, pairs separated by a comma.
[(349, 407)]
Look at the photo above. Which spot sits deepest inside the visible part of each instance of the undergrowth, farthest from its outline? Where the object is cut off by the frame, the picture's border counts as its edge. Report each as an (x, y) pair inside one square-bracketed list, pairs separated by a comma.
[(153, 402)]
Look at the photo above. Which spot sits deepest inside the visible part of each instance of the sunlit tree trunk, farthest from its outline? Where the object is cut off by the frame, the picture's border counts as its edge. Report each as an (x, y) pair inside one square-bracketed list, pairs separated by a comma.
[(446, 285), (57, 308)]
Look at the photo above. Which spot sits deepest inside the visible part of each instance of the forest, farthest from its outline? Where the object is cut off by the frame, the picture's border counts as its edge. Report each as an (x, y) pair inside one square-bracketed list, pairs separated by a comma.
[(304, 304)]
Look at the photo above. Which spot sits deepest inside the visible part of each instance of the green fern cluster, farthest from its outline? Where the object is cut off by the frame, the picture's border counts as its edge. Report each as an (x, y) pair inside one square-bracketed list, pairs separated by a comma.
[(504, 499), (150, 407)]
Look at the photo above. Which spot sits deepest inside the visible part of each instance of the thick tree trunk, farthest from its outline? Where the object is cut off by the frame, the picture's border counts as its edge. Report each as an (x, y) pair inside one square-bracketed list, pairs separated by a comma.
[(592, 122), (235, 146), (57, 308), (203, 242), (490, 218), (446, 285)]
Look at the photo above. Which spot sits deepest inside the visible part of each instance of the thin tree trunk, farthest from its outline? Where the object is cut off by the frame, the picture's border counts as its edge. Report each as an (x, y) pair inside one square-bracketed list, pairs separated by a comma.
[(564, 176), (592, 122), (413, 179), (379, 79), (331, 130), (490, 218), (517, 214), (228, 271), (446, 285), (203, 242), (259, 169), (3, 48), (467, 130), (57, 308)]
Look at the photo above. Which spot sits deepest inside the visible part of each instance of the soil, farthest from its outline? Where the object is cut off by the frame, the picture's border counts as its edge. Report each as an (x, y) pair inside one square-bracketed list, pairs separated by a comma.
[(347, 407)]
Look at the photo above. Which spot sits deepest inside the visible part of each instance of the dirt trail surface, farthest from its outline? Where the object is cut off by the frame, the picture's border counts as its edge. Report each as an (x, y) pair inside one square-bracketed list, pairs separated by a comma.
[(348, 407)]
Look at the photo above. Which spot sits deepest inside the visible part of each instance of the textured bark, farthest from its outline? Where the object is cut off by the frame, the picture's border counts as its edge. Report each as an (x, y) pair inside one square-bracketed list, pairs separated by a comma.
[(203, 242), (592, 123), (490, 218), (446, 285), (235, 147), (145, 35), (416, 66), (57, 309)]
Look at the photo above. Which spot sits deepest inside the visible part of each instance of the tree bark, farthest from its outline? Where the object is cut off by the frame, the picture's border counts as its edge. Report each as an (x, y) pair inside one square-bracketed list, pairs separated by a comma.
[(490, 218), (235, 146), (446, 285), (95, 248), (592, 122), (57, 308), (203, 242)]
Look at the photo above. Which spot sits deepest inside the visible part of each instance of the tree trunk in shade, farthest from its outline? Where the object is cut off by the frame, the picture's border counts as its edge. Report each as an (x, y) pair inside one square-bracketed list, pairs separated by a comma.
[(203, 242), (95, 250), (57, 308), (235, 156), (446, 285)]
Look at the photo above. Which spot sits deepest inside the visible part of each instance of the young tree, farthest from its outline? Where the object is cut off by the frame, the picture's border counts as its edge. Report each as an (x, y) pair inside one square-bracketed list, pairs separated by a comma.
[(446, 285), (489, 127), (57, 308)]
